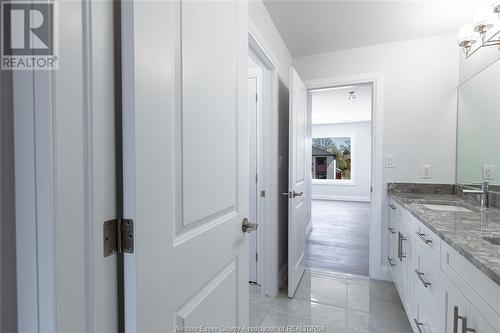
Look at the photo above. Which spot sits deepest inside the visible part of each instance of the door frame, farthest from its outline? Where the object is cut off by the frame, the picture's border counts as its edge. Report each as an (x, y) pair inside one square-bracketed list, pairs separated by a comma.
[(377, 269), (267, 207)]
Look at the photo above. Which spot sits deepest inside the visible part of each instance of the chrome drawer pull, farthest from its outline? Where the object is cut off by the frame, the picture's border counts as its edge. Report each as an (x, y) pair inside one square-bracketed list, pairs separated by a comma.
[(422, 237), (391, 261), (456, 317), (418, 324), (391, 230), (421, 278)]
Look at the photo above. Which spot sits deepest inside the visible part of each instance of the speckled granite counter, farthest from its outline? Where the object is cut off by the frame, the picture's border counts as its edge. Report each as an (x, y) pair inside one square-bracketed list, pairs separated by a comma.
[(463, 231)]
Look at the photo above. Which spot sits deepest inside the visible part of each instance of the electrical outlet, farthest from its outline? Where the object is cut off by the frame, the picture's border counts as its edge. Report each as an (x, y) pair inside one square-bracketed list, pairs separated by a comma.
[(426, 171), (389, 161), (488, 171)]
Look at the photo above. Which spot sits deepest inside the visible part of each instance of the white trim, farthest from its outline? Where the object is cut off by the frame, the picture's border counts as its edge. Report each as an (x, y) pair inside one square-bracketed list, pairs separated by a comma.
[(333, 182), (267, 239), (376, 80), (340, 198)]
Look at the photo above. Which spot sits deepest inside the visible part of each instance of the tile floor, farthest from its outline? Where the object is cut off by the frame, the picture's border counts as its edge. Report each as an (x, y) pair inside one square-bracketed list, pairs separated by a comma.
[(339, 302), (339, 238)]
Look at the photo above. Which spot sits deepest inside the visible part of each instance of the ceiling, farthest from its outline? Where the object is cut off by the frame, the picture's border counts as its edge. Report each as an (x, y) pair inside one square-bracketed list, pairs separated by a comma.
[(311, 27), (332, 106)]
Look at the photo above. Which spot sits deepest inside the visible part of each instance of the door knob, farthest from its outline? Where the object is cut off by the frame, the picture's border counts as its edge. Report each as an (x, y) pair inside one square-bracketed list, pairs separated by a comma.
[(247, 226), (293, 194)]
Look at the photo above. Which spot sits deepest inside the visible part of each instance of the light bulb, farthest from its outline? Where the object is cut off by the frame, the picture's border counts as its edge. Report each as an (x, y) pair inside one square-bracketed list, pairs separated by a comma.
[(467, 36), (483, 19)]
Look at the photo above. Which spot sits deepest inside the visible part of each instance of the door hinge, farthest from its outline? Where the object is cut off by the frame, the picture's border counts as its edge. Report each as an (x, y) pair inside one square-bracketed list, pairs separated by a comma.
[(256, 98), (256, 256), (262, 194), (118, 236)]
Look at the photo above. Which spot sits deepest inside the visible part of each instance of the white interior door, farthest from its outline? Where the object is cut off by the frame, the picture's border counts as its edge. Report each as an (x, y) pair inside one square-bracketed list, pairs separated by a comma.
[(298, 181), (252, 120), (65, 178), (186, 163)]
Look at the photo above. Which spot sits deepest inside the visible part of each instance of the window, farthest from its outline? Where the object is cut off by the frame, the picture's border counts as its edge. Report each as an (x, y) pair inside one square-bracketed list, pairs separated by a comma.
[(331, 158)]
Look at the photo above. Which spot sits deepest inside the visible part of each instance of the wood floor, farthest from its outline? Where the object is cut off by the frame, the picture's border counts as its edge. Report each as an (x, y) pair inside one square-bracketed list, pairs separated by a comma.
[(339, 238)]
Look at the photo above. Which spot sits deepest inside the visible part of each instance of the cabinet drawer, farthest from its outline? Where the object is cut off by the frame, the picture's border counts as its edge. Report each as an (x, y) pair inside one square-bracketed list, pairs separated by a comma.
[(479, 289), (428, 315), (428, 275), (395, 208), (429, 241), (477, 322)]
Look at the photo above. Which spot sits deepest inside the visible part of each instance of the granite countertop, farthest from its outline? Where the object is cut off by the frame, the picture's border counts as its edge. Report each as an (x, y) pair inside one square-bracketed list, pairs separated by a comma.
[(463, 231)]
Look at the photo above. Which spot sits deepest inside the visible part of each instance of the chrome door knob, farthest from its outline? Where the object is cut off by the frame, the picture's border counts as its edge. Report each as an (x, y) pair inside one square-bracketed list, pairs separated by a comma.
[(292, 194), (247, 226)]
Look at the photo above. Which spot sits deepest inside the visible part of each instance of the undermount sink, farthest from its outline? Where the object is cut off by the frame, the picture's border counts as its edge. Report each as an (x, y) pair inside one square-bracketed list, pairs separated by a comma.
[(448, 208), (492, 239)]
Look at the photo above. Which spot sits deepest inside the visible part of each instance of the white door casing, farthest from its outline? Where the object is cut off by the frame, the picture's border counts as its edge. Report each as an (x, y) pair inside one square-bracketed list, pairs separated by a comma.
[(65, 178), (252, 214), (186, 163), (299, 174)]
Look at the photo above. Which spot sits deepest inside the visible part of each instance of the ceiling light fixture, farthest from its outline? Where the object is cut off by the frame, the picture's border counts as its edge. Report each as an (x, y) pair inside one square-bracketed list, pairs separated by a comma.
[(485, 27)]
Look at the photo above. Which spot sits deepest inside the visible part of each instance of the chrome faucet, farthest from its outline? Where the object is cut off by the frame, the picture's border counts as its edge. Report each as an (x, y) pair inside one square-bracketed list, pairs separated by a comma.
[(483, 193)]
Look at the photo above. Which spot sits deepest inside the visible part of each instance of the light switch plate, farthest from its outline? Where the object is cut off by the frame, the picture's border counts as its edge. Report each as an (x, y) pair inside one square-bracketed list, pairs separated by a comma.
[(389, 161), (427, 171), (488, 171)]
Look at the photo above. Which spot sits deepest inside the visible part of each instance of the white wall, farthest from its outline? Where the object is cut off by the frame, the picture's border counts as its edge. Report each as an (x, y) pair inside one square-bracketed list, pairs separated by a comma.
[(361, 149), (261, 20), (420, 79)]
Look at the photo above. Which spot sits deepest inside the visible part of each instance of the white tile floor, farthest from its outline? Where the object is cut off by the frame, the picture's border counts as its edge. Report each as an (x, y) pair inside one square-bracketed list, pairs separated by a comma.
[(338, 302)]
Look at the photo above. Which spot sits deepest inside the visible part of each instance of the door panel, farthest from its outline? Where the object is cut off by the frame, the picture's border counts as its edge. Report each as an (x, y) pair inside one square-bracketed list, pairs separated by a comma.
[(298, 182), (209, 113), (186, 163)]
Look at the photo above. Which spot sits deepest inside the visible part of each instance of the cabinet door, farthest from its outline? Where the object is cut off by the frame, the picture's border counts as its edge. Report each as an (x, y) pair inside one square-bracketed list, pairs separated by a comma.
[(407, 249), (393, 248), (403, 263), (479, 323), (457, 307)]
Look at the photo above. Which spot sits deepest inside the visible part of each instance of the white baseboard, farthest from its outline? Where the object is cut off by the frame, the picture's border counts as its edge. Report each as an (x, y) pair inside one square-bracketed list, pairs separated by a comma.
[(340, 198)]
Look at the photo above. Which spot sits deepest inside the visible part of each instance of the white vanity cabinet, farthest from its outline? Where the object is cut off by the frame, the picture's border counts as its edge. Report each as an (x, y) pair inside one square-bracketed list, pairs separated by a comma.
[(401, 255), (440, 289)]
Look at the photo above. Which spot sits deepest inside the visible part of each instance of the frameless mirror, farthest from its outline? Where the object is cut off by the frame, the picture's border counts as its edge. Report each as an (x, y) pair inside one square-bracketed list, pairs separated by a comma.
[(478, 128)]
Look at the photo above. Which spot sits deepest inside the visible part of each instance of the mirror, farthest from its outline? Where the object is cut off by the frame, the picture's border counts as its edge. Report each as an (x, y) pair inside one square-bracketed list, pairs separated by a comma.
[(478, 128)]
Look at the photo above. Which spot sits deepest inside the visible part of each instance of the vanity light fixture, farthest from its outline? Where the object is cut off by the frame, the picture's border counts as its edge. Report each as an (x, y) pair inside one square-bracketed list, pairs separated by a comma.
[(485, 28)]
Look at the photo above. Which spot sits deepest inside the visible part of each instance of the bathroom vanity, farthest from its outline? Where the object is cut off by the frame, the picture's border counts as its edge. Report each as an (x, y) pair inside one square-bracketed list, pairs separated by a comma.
[(445, 262), (444, 240)]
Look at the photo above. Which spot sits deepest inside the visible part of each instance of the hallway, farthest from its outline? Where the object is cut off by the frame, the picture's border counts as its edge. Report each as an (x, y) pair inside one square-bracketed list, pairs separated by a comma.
[(336, 302), (339, 240)]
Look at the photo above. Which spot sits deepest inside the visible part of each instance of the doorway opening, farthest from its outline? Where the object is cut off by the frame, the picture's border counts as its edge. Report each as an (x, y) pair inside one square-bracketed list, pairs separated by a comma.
[(263, 167), (339, 232)]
